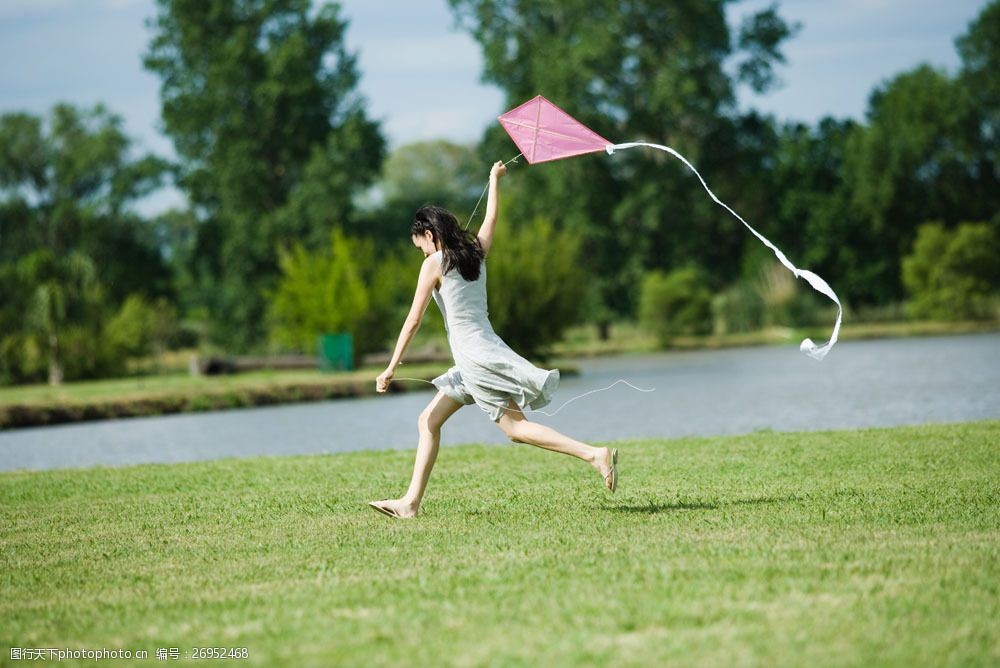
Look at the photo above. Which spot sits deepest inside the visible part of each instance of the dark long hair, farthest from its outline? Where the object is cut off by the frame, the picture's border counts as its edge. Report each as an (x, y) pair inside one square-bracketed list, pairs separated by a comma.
[(459, 248)]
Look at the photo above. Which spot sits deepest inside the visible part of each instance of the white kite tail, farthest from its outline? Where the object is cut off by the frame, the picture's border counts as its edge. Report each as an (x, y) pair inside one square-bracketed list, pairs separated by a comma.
[(818, 284)]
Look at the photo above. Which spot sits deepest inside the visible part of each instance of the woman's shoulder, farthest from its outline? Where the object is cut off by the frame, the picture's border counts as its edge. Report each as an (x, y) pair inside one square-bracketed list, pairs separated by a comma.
[(437, 259)]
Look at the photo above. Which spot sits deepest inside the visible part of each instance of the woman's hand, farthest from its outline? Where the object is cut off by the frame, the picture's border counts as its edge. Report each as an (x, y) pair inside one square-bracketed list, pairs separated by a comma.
[(498, 170), (382, 382)]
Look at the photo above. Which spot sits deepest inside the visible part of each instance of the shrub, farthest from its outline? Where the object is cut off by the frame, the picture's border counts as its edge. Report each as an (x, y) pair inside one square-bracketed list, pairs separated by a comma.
[(317, 292), (87, 353), (141, 328), (786, 302), (52, 297), (675, 304), (953, 274), (737, 309), (347, 287), (391, 278), (536, 290), (537, 287), (20, 359)]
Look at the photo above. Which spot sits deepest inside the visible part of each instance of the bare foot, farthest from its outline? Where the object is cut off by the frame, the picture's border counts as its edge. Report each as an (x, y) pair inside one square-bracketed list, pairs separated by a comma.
[(395, 508)]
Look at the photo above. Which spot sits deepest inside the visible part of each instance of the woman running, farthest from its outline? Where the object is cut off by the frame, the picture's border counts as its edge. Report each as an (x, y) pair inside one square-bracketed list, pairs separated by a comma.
[(486, 371)]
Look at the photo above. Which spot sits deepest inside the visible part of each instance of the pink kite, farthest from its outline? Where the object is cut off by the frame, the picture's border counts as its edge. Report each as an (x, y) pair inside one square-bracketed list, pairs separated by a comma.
[(545, 132)]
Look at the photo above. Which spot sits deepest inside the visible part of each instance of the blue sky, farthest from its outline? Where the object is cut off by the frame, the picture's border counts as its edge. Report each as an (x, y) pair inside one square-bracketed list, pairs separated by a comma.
[(421, 77)]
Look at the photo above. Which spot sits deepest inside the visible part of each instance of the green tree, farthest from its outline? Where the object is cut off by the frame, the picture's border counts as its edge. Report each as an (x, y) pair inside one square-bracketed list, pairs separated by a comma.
[(68, 183), (537, 286), (14, 367), (979, 49), (436, 172), (930, 151), (738, 308), (953, 274), (390, 277), (345, 287), (676, 303), (62, 291), (141, 327), (258, 97), (71, 245), (811, 216), (648, 70), (318, 292), (911, 163), (848, 197)]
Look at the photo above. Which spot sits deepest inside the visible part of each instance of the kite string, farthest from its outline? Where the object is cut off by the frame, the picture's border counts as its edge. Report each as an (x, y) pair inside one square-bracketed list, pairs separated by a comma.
[(817, 283), (566, 403), (481, 196)]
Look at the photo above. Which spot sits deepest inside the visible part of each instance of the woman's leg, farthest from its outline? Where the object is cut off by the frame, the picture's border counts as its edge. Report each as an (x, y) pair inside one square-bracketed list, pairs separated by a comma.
[(429, 424), (521, 430)]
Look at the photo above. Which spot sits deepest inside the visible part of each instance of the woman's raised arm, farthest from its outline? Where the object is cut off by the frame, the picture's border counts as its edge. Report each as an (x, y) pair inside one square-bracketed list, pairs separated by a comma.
[(492, 207)]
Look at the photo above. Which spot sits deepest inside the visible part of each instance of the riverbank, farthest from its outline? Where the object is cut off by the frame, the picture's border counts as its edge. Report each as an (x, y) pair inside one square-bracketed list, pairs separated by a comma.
[(869, 547), (181, 392), (629, 338)]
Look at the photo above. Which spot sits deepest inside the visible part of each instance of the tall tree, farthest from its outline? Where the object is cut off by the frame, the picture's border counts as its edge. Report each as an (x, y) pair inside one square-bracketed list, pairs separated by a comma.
[(921, 157), (649, 70), (62, 293), (70, 242), (811, 211), (859, 192), (428, 172), (979, 49), (259, 99)]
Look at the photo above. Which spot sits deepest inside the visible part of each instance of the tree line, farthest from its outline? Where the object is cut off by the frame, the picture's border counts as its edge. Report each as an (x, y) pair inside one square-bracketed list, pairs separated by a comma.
[(298, 215)]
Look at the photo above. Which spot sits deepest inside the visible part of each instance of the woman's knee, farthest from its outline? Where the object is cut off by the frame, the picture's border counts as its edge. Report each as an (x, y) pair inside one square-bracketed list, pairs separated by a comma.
[(426, 422), (514, 429)]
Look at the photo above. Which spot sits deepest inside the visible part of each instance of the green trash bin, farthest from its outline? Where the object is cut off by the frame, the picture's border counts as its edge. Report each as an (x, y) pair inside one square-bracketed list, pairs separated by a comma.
[(336, 352)]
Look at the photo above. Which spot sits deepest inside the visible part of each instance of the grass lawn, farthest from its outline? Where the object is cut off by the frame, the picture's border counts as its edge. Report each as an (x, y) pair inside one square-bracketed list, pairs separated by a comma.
[(854, 548)]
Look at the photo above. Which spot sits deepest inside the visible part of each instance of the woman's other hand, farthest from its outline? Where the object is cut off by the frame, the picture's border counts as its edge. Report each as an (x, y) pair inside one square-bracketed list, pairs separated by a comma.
[(382, 382), (498, 170)]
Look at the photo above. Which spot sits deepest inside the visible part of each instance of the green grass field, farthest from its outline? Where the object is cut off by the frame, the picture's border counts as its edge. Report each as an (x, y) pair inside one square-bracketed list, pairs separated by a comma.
[(854, 548)]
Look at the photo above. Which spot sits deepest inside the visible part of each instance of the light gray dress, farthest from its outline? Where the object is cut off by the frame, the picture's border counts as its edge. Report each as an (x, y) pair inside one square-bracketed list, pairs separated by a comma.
[(486, 370)]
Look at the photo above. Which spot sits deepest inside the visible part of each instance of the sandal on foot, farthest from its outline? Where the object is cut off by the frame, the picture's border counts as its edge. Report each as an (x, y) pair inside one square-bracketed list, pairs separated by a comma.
[(613, 473), (385, 511)]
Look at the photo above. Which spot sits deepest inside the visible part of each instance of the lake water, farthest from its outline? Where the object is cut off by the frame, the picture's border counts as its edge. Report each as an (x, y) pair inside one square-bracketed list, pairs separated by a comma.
[(860, 384)]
